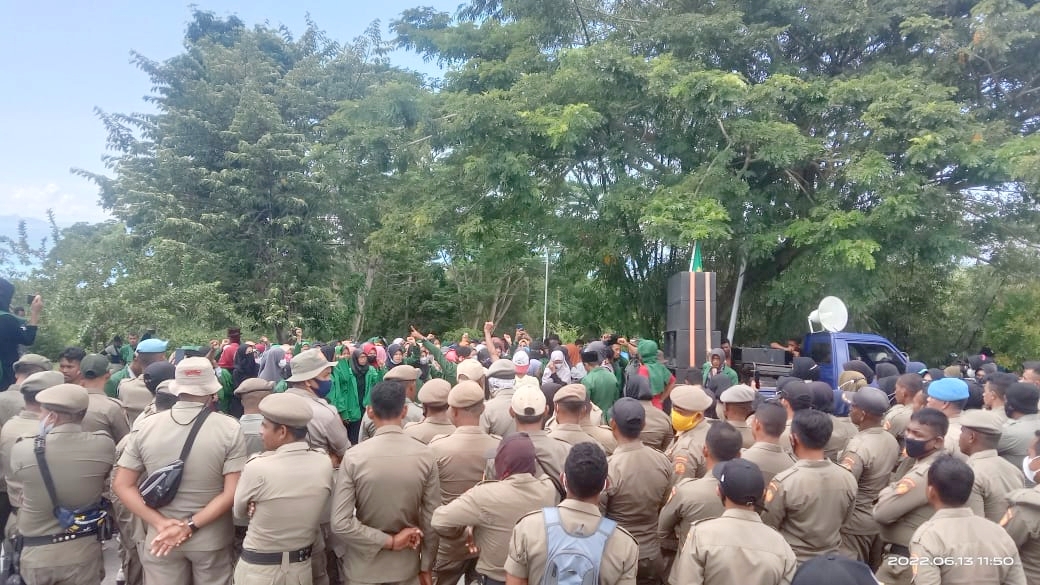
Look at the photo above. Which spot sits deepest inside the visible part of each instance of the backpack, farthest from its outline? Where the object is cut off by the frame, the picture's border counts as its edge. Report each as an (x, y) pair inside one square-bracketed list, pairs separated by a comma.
[(573, 560)]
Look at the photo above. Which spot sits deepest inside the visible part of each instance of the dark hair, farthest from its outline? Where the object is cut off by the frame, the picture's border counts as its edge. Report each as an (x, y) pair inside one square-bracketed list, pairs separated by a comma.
[(1000, 382), (572, 406), (952, 480), (933, 419), (813, 428), (987, 440), (387, 399), (464, 351), (913, 383), (586, 470), (1031, 366), (73, 354), (724, 341), (436, 407), (723, 441), (298, 433), (974, 396), (528, 420), (773, 417)]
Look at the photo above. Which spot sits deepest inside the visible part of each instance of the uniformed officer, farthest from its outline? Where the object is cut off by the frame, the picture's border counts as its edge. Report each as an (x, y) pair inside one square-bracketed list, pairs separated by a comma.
[(640, 481), (1019, 432), (407, 376), (491, 509), (251, 392), (767, 424), (1022, 523), (529, 408), (737, 547), (283, 495), (79, 464), (949, 395), (811, 501), (592, 424), (980, 550), (104, 413), (188, 540), (501, 383), (312, 379), (572, 407), (386, 491), (585, 476), (870, 456), (994, 393), (149, 381), (11, 401), (461, 457), (843, 429), (693, 500), (995, 478), (903, 506), (687, 451), (434, 398), (897, 417), (657, 432), (131, 389), (736, 404), (794, 395)]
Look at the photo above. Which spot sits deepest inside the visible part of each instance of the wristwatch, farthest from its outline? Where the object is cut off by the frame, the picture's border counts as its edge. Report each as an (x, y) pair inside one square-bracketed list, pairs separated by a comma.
[(192, 525)]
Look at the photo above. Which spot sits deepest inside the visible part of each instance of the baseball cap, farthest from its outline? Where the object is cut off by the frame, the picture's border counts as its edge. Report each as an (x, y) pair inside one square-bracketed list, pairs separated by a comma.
[(522, 362), (308, 365), (471, 369), (798, 394), (871, 400), (528, 401), (94, 366), (629, 415), (948, 389), (740, 480), (157, 373), (691, 398), (152, 346), (833, 569), (287, 409), (195, 376), (1020, 396)]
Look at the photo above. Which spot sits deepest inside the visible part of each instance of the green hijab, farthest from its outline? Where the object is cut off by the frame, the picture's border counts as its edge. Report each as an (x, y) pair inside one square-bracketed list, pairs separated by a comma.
[(659, 375)]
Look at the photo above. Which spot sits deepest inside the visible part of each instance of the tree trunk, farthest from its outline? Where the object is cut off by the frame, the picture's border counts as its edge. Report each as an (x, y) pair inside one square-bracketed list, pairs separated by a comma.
[(362, 298)]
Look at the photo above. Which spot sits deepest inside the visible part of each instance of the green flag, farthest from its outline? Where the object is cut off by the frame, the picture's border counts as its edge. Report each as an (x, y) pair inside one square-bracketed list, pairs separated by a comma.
[(695, 262)]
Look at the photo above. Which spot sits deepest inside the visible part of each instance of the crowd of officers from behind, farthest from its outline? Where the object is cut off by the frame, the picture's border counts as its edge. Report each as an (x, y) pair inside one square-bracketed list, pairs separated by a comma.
[(724, 489)]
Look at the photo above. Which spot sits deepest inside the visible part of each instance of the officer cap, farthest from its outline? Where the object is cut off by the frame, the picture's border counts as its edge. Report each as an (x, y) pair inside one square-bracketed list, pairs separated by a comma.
[(502, 368), (65, 398), (254, 385), (982, 421), (465, 394), (435, 392), (571, 393), (690, 398), (738, 393), (403, 373), (287, 409), (41, 381), (35, 360)]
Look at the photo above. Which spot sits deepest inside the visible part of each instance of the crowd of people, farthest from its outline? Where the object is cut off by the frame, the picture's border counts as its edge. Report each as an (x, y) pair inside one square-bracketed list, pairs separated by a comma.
[(509, 460)]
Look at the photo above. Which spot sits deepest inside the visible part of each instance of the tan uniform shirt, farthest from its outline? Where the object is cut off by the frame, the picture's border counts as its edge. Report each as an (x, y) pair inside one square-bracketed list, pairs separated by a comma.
[(870, 456), (105, 414), (291, 488), (219, 450), (461, 458), (134, 396), (843, 432), (26, 424), (952, 441), (492, 509), (746, 435), (1022, 523), (995, 479), (658, 432), (79, 463), (383, 486), (896, 420), (734, 548), (975, 545), (808, 504), (326, 430), (640, 482), (427, 429), (368, 426), (528, 551), (251, 431), (1018, 435), (496, 419), (691, 501), (687, 452), (903, 506), (572, 434), (603, 435), (550, 454), (11, 403), (769, 457)]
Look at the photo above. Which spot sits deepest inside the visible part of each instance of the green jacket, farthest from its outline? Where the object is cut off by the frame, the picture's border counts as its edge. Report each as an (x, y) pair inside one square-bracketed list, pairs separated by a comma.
[(730, 373), (344, 393), (449, 371), (227, 390), (126, 353), (602, 387), (112, 386)]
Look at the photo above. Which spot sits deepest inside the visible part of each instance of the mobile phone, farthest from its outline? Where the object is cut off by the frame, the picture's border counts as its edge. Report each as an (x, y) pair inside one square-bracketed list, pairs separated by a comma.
[(29, 299), (520, 326)]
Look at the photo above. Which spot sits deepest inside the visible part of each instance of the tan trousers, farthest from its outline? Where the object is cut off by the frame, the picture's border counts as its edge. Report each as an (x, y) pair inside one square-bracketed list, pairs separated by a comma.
[(186, 568), (89, 573), (865, 548), (284, 574), (892, 572)]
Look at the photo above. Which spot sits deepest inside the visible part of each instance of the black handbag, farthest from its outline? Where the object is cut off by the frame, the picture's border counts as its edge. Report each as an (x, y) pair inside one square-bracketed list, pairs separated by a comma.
[(160, 487)]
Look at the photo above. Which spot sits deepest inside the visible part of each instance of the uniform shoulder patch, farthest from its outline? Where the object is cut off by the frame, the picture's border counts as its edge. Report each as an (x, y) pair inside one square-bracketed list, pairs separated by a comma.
[(771, 490), (680, 465), (905, 485), (848, 462)]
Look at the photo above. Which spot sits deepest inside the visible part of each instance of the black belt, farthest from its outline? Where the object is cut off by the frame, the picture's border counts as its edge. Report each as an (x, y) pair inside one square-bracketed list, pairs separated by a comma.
[(275, 558), (57, 538), (898, 550), (485, 580)]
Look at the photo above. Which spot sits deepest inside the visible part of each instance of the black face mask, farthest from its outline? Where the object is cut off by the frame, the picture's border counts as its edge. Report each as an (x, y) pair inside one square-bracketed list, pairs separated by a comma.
[(916, 448)]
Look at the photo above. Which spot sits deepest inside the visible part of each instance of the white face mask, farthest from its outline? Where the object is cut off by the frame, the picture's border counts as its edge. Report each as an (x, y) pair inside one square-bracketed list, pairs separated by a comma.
[(46, 425), (281, 363), (1029, 473)]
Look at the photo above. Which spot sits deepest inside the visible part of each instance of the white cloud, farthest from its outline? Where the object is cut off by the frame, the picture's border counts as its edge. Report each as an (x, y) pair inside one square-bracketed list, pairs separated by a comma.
[(70, 203)]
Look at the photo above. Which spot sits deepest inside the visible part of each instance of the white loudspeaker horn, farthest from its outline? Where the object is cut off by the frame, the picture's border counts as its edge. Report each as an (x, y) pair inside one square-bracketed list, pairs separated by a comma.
[(832, 315)]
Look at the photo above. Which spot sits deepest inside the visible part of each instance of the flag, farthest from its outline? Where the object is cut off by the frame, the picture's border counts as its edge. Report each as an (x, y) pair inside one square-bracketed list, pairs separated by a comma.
[(695, 262)]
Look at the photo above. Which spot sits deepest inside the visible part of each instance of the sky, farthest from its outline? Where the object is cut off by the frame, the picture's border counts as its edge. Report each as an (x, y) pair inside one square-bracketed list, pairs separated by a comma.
[(64, 58)]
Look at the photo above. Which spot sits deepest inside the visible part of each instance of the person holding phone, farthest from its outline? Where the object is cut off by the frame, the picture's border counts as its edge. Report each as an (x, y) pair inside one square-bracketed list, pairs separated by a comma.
[(15, 331)]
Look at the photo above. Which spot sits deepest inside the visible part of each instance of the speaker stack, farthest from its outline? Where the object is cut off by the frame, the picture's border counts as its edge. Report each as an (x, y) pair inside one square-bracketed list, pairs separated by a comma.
[(691, 327)]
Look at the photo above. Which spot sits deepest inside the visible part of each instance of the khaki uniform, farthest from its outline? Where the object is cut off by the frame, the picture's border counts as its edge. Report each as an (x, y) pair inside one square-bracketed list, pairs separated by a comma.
[(368, 427), (995, 478), (687, 452), (808, 504), (572, 434), (528, 548), (1018, 435), (734, 548), (952, 441), (981, 550), (901, 508), (640, 482), (603, 435), (769, 457), (291, 488), (896, 420), (496, 419), (492, 509), (549, 453), (427, 430), (26, 424), (131, 530), (690, 501), (134, 396), (1022, 523), (384, 485), (1000, 415), (461, 460), (105, 414), (80, 463), (870, 456), (219, 450), (11, 403), (745, 432), (326, 430), (250, 424), (658, 431), (843, 432)]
